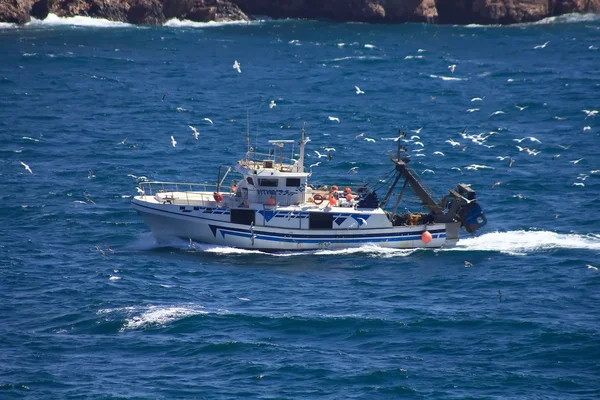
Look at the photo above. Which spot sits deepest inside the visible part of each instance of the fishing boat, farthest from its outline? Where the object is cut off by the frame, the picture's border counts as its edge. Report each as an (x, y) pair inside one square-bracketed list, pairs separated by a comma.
[(273, 207)]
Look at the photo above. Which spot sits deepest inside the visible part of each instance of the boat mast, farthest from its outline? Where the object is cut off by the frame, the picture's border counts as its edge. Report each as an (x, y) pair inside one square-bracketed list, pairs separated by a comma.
[(302, 143)]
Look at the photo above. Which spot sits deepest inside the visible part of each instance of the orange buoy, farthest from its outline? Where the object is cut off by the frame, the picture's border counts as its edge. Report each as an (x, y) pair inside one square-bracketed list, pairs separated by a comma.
[(349, 197), (218, 197), (333, 189), (318, 199), (426, 237), (348, 190), (271, 201), (332, 201)]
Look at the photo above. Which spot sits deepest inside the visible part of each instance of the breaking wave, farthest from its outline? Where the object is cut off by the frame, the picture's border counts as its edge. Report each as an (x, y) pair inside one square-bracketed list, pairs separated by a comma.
[(54, 20)]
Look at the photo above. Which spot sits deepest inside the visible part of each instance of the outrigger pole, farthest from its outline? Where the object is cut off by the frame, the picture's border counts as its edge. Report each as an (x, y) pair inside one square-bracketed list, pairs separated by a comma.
[(455, 203)]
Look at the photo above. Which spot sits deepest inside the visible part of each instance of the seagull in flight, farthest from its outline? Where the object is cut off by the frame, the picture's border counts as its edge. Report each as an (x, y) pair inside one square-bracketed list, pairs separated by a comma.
[(453, 142), (334, 119), (578, 184), (477, 99), (236, 66), (520, 108), (497, 113), (353, 170), (439, 153), (173, 141), (329, 148), (26, 167), (360, 135), (576, 161), (541, 46), (315, 164), (417, 131), (458, 169), (319, 155), (196, 133), (452, 67), (122, 141), (272, 104), (208, 119), (587, 128), (589, 113), (358, 91), (470, 110), (368, 139)]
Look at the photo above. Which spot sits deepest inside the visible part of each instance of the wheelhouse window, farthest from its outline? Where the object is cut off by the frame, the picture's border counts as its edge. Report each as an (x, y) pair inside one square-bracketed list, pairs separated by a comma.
[(292, 182), (250, 181), (268, 182)]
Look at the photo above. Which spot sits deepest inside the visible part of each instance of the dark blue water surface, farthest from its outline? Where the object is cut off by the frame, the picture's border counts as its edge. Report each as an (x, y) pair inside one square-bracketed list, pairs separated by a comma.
[(150, 319)]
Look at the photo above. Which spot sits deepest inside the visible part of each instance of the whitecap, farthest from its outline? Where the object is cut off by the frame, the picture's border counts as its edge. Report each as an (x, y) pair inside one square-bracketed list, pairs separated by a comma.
[(447, 78), (185, 23), (54, 20), (157, 315), (369, 46)]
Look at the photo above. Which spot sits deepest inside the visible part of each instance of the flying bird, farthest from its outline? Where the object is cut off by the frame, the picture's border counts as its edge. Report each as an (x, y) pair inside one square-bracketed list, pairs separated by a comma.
[(315, 164), (272, 104), (589, 113), (591, 267), (236, 66), (122, 141), (359, 135), (468, 264), (439, 153), (358, 91), (452, 67), (334, 119), (417, 131), (329, 148), (587, 128), (368, 139), (496, 184), (208, 119), (477, 99), (319, 155), (173, 141), (576, 161), (195, 133), (497, 113), (541, 46), (353, 170), (521, 108), (26, 167)]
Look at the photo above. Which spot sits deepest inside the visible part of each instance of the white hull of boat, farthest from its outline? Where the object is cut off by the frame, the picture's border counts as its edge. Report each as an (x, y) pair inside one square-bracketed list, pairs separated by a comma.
[(217, 230)]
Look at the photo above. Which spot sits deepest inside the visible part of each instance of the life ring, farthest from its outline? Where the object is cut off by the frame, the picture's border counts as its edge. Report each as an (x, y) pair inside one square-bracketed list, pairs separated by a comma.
[(218, 197), (318, 199), (333, 189)]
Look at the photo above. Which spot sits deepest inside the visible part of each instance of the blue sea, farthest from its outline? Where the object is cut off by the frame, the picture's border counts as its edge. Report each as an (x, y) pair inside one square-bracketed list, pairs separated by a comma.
[(93, 306)]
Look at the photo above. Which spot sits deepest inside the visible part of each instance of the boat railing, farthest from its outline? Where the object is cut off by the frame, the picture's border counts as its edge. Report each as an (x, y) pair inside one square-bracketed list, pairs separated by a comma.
[(151, 188), (255, 160)]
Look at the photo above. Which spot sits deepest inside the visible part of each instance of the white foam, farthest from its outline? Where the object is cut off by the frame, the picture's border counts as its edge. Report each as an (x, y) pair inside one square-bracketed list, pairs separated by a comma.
[(562, 19), (54, 20), (185, 23), (565, 19), (447, 78), (355, 58), (523, 242), (7, 25), (157, 315)]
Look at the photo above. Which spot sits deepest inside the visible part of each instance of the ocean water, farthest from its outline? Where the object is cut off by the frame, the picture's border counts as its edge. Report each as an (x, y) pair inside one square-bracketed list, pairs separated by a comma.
[(93, 306)]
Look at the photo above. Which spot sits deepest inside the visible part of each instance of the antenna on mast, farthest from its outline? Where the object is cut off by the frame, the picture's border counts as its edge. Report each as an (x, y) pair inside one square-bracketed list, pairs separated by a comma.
[(247, 131)]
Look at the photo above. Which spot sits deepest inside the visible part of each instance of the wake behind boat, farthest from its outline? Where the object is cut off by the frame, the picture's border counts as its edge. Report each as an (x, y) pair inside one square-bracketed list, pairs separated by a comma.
[(273, 207)]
